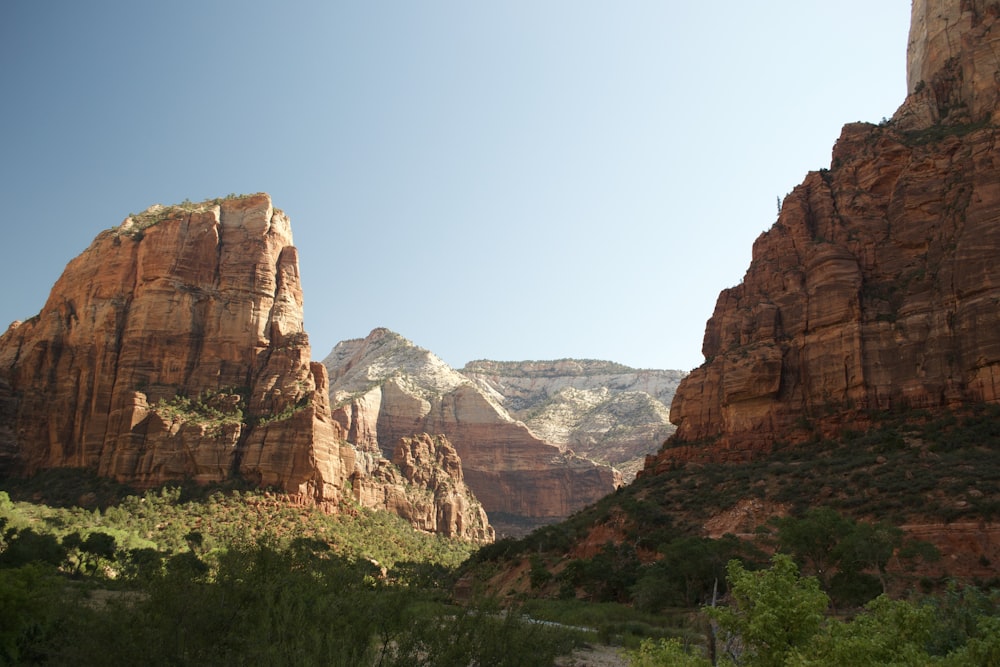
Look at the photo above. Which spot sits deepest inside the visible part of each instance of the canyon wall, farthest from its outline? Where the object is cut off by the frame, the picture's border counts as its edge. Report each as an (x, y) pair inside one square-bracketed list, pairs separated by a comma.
[(385, 389), (173, 348), (877, 287), (425, 485)]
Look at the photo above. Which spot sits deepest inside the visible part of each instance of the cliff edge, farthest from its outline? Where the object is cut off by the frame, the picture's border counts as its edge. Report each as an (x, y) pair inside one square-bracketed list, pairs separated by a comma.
[(877, 287), (173, 347)]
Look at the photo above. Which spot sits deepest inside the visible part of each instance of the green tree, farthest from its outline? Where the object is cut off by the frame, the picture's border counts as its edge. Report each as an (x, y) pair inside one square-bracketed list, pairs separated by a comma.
[(814, 540), (981, 649), (772, 612), (870, 546), (34, 608), (664, 653), (98, 547), (26, 546), (686, 574), (887, 633)]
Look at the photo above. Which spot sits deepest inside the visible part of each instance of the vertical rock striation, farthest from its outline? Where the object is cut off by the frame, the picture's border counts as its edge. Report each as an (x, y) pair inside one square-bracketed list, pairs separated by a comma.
[(385, 390), (173, 347), (877, 287), (424, 484)]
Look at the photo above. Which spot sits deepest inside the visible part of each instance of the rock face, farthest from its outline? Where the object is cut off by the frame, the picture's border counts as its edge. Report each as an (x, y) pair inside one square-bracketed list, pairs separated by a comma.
[(385, 389), (425, 486), (605, 411), (173, 348), (877, 287)]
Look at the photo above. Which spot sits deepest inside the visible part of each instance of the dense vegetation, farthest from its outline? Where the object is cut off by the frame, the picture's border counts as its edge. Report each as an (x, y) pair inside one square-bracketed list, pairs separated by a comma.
[(844, 501), (776, 618), (907, 468), (231, 577), (94, 573)]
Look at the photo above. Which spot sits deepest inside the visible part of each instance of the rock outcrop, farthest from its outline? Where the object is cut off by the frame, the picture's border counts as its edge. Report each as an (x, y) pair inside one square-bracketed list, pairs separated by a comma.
[(385, 389), (424, 485), (173, 348), (877, 287), (604, 411)]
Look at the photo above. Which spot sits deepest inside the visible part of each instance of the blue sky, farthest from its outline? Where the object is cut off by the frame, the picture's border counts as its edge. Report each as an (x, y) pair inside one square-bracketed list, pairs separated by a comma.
[(508, 180)]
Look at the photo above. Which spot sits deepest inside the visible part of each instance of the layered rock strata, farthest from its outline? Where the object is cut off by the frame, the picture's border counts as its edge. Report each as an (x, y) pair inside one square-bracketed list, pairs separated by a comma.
[(877, 287), (173, 347), (385, 389), (601, 410)]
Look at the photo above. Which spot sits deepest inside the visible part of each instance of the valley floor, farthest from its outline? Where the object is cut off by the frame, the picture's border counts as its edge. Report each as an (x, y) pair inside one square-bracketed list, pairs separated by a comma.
[(594, 656)]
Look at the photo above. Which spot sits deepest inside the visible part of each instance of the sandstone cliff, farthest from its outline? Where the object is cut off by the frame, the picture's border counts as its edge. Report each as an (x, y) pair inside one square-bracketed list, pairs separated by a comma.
[(605, 411), (173, 348), (877, 287), (384, 389), (424, 484)]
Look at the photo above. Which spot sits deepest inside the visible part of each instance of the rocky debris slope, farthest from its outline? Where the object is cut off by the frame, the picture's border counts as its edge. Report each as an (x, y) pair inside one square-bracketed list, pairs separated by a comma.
[(173, 348), (384, 388), (877, 287), (599, 409)]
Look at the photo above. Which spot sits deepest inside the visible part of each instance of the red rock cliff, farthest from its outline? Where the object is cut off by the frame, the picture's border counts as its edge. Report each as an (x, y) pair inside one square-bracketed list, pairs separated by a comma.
[(877, 287), (174, 347)]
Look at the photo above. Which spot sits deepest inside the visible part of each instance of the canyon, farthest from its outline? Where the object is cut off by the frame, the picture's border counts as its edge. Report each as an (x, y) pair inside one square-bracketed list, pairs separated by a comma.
[(529, 434), (173, 349), (876, 289)]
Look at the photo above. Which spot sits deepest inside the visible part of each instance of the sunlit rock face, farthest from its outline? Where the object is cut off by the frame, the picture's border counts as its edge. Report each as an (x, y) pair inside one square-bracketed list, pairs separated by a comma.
[(877, 287), (173, 347), (385, 389), (951, 63), (599, 409)]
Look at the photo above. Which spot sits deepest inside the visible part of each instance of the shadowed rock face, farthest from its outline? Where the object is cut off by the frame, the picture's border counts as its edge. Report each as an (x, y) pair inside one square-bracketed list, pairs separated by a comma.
[(197, 301), (877, 288), (385, 389), (425, 486)]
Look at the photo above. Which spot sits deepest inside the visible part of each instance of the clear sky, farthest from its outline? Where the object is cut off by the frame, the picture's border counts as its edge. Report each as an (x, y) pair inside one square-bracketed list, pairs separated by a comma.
[(510, 180)]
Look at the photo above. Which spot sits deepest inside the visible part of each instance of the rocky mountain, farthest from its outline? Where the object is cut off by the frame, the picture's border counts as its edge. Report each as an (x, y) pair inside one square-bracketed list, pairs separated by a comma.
[(877, 288), (852, 372), (384, 388), (424, 484), (602, 410), (173, 348)]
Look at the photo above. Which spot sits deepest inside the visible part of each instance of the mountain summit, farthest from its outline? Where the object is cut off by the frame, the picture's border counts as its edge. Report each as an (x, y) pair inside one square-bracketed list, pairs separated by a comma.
[(384, 388)]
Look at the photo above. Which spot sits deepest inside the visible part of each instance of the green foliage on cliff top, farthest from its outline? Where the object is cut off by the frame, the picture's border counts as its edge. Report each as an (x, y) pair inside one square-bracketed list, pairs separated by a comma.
[(136, 223)]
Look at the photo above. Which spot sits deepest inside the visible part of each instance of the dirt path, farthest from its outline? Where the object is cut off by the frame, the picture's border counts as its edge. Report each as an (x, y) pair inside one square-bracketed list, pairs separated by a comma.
[(594, 656)]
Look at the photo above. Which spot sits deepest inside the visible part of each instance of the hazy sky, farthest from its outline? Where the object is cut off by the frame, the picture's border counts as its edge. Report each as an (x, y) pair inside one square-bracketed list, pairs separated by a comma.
[(507, 180)]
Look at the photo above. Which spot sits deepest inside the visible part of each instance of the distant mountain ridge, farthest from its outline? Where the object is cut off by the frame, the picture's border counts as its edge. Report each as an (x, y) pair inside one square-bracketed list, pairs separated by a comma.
[(603, 410), (523, 466), (385, 389)]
